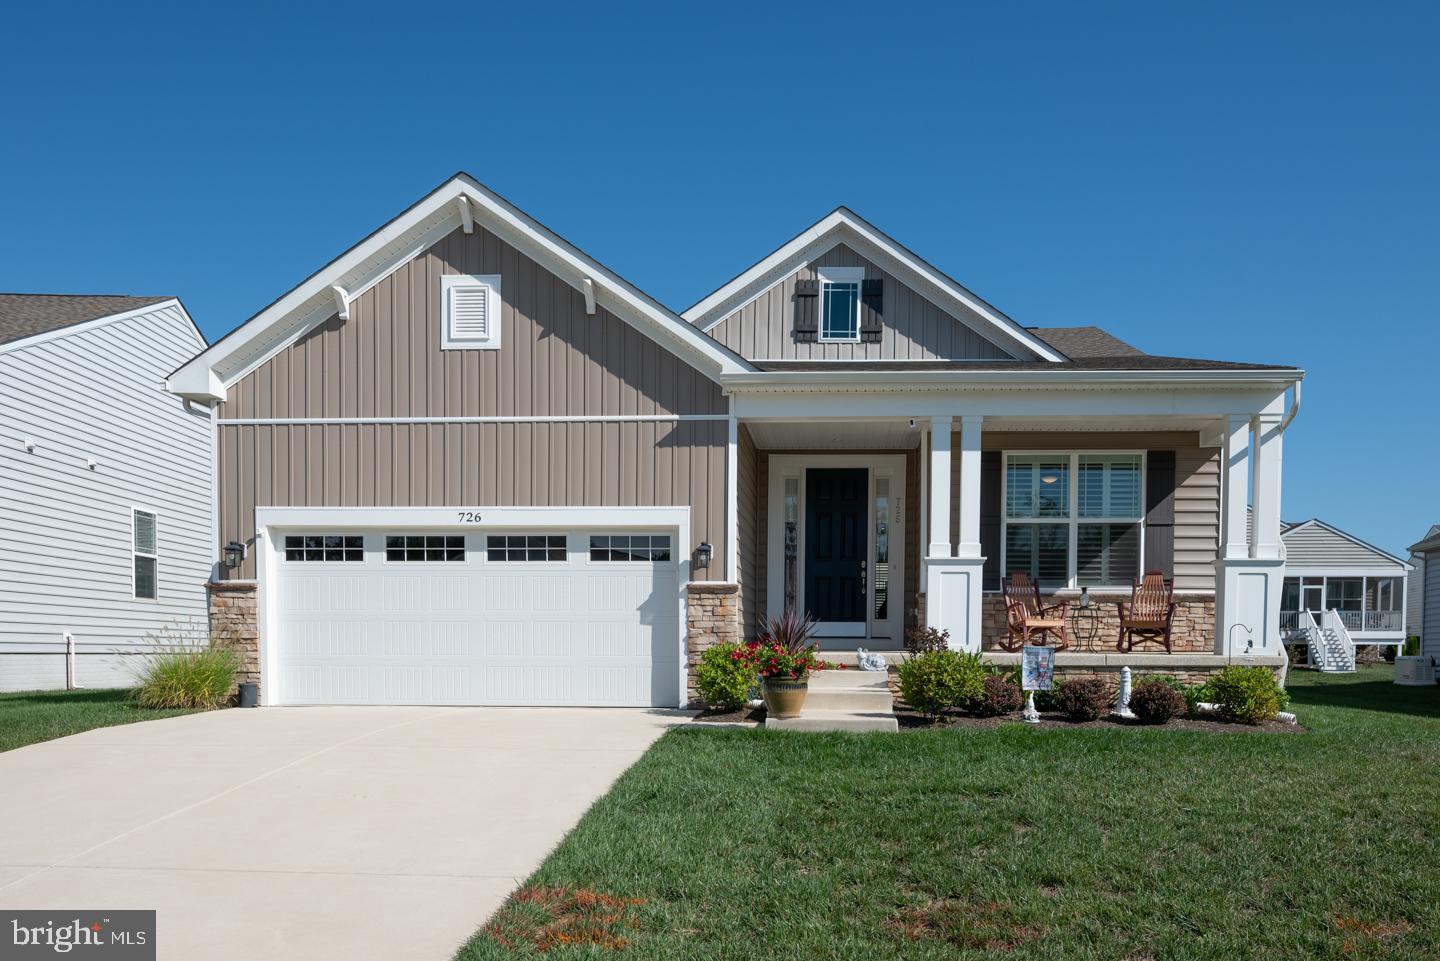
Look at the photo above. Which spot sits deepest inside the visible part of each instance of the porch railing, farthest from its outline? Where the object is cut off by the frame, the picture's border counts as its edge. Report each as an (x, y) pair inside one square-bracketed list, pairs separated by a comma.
[(1293, 622)]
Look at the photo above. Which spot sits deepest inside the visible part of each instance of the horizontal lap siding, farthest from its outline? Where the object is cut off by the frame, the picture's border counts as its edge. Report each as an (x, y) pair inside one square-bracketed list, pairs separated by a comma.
[(914, 327), (1316, 548)]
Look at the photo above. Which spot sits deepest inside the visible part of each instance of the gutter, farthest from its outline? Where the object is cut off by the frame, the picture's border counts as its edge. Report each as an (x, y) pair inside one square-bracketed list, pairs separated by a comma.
[(960, 379), (1294, 409)]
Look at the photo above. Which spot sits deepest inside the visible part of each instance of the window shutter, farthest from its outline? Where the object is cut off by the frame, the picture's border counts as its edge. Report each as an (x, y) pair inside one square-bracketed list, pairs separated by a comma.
[(807, 310), (470, 313), (990, 517), (1160, 512), (872, 295)]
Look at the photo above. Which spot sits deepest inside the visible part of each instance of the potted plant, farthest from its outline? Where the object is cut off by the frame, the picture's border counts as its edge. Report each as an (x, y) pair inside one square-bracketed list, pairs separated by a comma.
[(784, 657)]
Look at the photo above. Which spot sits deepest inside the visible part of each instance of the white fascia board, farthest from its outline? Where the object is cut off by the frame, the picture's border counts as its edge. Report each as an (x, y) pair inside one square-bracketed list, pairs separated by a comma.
[(86, 325), (1292, 570), (887, 380), (832, 230), (250, 345)]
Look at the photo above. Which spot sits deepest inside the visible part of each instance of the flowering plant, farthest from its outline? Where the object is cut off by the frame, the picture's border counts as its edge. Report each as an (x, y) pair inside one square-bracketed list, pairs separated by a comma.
[(784, 648)]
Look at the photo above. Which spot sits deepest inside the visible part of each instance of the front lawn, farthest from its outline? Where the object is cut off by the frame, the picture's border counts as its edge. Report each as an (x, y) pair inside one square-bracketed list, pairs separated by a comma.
[(1012, 842), (28, 717)]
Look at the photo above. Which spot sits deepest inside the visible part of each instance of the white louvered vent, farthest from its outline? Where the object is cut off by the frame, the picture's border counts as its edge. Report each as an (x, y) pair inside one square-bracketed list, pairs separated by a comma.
[(472, 312)]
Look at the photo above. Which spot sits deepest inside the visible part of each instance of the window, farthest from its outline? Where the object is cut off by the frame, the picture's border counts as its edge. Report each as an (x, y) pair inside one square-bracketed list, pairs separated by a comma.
[(145, 550), (1344, 593), (425, 547), (324, 547), (471, 306), (525, 547), (630, 547), (1074, 520), (840, 303)]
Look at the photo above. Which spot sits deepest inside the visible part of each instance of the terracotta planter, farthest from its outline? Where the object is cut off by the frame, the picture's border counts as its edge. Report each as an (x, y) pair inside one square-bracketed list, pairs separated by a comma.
[(784, 696)]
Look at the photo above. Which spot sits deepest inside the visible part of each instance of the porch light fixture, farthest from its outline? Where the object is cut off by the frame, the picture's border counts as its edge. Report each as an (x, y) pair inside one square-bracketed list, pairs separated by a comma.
[(703, 553), (1084, 597), (234, 554)]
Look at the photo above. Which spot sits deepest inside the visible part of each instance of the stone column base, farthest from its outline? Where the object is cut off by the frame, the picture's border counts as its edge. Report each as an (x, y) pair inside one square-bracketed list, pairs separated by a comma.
[(234, 620), (712, 616)]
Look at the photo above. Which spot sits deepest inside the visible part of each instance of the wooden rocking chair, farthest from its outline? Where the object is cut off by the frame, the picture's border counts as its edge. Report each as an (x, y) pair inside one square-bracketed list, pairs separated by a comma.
[(1149, 613), (1026, 616)]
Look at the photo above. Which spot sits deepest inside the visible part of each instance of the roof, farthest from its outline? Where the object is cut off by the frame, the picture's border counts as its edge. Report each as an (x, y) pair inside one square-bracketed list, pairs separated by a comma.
[(1430, 542), (26, 315), (1316, 522), (1128, 362), (1076, 342)]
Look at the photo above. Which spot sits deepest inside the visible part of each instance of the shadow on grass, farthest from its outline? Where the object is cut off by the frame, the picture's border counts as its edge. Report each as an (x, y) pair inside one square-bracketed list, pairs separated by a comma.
[(116, 695), (1365, 694)]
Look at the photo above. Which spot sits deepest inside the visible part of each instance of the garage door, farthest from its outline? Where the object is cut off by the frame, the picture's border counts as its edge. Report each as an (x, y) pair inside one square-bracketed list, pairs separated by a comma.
[(500, 617)]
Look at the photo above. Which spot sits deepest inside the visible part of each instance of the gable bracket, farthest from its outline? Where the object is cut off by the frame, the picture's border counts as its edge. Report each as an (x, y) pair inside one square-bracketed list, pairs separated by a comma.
[(467, 216), (342, 301), (587, 286)]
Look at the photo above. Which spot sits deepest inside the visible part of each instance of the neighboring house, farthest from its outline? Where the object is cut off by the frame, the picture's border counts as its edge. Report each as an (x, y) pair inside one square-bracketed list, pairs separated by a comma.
[(465, 462), (1428, 551), (105, 490), (1336, 578), (1415, 592)]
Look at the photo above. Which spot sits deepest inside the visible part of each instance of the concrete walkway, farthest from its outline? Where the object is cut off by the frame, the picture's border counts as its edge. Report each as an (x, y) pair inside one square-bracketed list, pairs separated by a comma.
[(328, 832)]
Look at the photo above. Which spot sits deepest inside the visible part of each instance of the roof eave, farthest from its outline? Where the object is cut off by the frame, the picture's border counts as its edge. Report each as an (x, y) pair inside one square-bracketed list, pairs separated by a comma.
[(959, 379)]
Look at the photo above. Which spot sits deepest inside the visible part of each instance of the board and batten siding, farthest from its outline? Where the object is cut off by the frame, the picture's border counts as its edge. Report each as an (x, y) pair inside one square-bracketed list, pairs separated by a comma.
[(1197, 487), (914, 327), (1314, 548), (555, 361), (65, 529)]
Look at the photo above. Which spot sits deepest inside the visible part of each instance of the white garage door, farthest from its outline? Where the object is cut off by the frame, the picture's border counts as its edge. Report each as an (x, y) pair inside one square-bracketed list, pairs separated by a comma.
[(447, 617)]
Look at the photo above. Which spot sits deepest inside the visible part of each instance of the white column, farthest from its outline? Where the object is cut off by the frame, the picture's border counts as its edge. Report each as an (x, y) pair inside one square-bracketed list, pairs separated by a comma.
[(1234, 487), (940, 486), (1265, 486), (732, 499), (969, 545)]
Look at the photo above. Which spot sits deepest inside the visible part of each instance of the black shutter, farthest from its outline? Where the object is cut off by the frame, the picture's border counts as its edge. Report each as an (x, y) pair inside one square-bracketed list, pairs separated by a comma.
[(1160, 512), (807, 310), (990, 517), (872, 310)]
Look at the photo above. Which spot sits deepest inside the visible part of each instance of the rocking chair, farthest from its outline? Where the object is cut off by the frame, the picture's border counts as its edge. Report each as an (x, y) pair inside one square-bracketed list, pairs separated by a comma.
[(1149, 613), (1026, 616)]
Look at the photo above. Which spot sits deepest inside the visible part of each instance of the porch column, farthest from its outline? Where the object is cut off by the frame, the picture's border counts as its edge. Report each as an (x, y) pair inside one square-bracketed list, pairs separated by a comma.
[(940, 426), (732, 498), (1250, 571), (1265, 486), (1234, 487), (952, 593)]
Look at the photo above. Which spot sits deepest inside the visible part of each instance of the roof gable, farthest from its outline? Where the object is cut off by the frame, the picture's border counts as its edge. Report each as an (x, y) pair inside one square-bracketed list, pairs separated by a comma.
[(28, 315), (844, 226), (457, 203), (1314, 544)]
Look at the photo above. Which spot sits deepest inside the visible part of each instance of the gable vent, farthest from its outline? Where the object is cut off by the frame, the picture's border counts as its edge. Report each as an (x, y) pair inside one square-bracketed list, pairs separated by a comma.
[(472, 313), (469, 313)]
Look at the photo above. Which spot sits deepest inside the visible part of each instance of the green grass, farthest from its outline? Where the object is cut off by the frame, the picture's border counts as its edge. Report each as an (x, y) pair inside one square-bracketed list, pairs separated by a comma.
[(28, 717), (1026, 844)]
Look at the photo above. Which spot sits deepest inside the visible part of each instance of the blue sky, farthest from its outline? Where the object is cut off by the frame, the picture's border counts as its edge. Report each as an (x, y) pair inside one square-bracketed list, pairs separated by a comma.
[(1252, 182)]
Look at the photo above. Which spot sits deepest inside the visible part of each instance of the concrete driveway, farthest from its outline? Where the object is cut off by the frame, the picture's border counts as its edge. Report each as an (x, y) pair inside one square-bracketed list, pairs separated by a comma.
[(328, 832)]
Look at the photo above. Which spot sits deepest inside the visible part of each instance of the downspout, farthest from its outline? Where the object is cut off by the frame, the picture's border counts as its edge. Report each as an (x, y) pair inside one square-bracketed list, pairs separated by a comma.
[(1294, 409)]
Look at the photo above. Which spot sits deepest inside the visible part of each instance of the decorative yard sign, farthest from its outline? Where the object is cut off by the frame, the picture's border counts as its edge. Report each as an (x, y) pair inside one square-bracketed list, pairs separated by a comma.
[(1037, 668)]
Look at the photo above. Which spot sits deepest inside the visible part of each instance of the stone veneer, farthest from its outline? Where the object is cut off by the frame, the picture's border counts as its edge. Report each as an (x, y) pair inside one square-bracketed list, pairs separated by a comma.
[(1193, 630), (712, 617), (234, 619)]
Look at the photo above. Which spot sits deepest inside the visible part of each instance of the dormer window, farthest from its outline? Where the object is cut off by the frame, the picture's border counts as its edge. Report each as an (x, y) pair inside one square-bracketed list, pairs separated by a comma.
[(471, 312), (840, 303)]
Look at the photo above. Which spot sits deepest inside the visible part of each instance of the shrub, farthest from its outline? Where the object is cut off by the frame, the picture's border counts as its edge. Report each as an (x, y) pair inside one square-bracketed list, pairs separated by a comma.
[(179, 673), (1154, 700), (1083, 699), (1001, 696), (937, 681), (725, 676), (923, 640), (1412, 646), (1250, 695)]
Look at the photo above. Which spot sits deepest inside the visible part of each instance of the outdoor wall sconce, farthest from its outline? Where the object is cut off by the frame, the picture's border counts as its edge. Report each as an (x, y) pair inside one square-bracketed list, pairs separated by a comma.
[(1084, 597), (703, 553), (234, 554)]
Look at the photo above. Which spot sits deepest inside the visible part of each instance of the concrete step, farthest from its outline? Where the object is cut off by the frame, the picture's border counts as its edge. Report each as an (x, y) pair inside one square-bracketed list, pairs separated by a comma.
[(851, 659), (843, 699), (852, 680), (835, 721)]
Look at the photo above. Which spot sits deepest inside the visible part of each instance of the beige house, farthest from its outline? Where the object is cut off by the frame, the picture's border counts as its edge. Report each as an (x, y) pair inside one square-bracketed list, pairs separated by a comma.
[(465, 462)]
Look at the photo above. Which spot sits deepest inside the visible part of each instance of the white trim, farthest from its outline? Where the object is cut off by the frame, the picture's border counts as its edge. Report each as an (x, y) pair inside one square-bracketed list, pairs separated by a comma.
[(271, 522), (516, 419), (827, 276), (732, 497), (883, 380), (494, 326), (847, 227), (342, 302), (1389, 573), (467, 216), (94, 322), (214, 370), (136, 552)]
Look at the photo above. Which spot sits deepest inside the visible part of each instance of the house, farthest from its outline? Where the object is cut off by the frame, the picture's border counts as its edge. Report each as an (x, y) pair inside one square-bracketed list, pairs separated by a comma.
[(105, 487), (1415, 590), (1340, 591), (1428, 551), (465, 462)]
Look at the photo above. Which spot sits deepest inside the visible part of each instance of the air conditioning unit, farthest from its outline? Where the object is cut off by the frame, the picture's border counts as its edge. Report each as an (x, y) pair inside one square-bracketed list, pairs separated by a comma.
[(1415, 671)]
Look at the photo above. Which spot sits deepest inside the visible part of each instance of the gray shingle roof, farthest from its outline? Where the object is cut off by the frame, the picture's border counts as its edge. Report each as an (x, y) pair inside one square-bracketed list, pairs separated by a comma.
[(1085, 342), (25, 315)]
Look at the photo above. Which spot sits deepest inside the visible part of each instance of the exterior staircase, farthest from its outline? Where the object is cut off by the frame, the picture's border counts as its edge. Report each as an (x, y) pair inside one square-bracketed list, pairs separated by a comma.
[(1328, 640), (850, 700)]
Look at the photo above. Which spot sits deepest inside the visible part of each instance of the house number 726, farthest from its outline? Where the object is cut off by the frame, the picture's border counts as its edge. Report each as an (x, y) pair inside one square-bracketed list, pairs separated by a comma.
[(469, 517)]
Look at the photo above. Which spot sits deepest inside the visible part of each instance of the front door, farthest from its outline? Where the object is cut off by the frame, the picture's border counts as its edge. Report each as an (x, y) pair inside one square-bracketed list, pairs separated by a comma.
[(836, 508)]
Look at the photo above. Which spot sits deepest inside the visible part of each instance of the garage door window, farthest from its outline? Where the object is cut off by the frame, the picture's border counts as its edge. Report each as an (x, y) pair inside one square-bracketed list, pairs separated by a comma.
[(324, 547), (525, 547), (630, 547), (425, 547)]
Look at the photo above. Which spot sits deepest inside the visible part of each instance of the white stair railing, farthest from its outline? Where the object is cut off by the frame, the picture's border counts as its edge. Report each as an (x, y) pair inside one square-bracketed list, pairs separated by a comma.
[(1337, 637)]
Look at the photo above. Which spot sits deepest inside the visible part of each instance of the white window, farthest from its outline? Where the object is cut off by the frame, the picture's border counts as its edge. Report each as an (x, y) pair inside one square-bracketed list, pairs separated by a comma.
[(145, 550), (471, 312), (1074, 520), (317, 548), (630, 547), (840, 303), (449, 548), (525, 547)]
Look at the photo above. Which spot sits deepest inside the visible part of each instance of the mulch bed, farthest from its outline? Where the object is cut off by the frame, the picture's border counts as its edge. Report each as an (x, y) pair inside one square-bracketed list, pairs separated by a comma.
[(752, 715), (911, 720)]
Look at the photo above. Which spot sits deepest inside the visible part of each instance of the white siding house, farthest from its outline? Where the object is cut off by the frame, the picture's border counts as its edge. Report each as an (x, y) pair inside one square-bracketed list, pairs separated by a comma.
[(1428, 551), (105, 486)]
